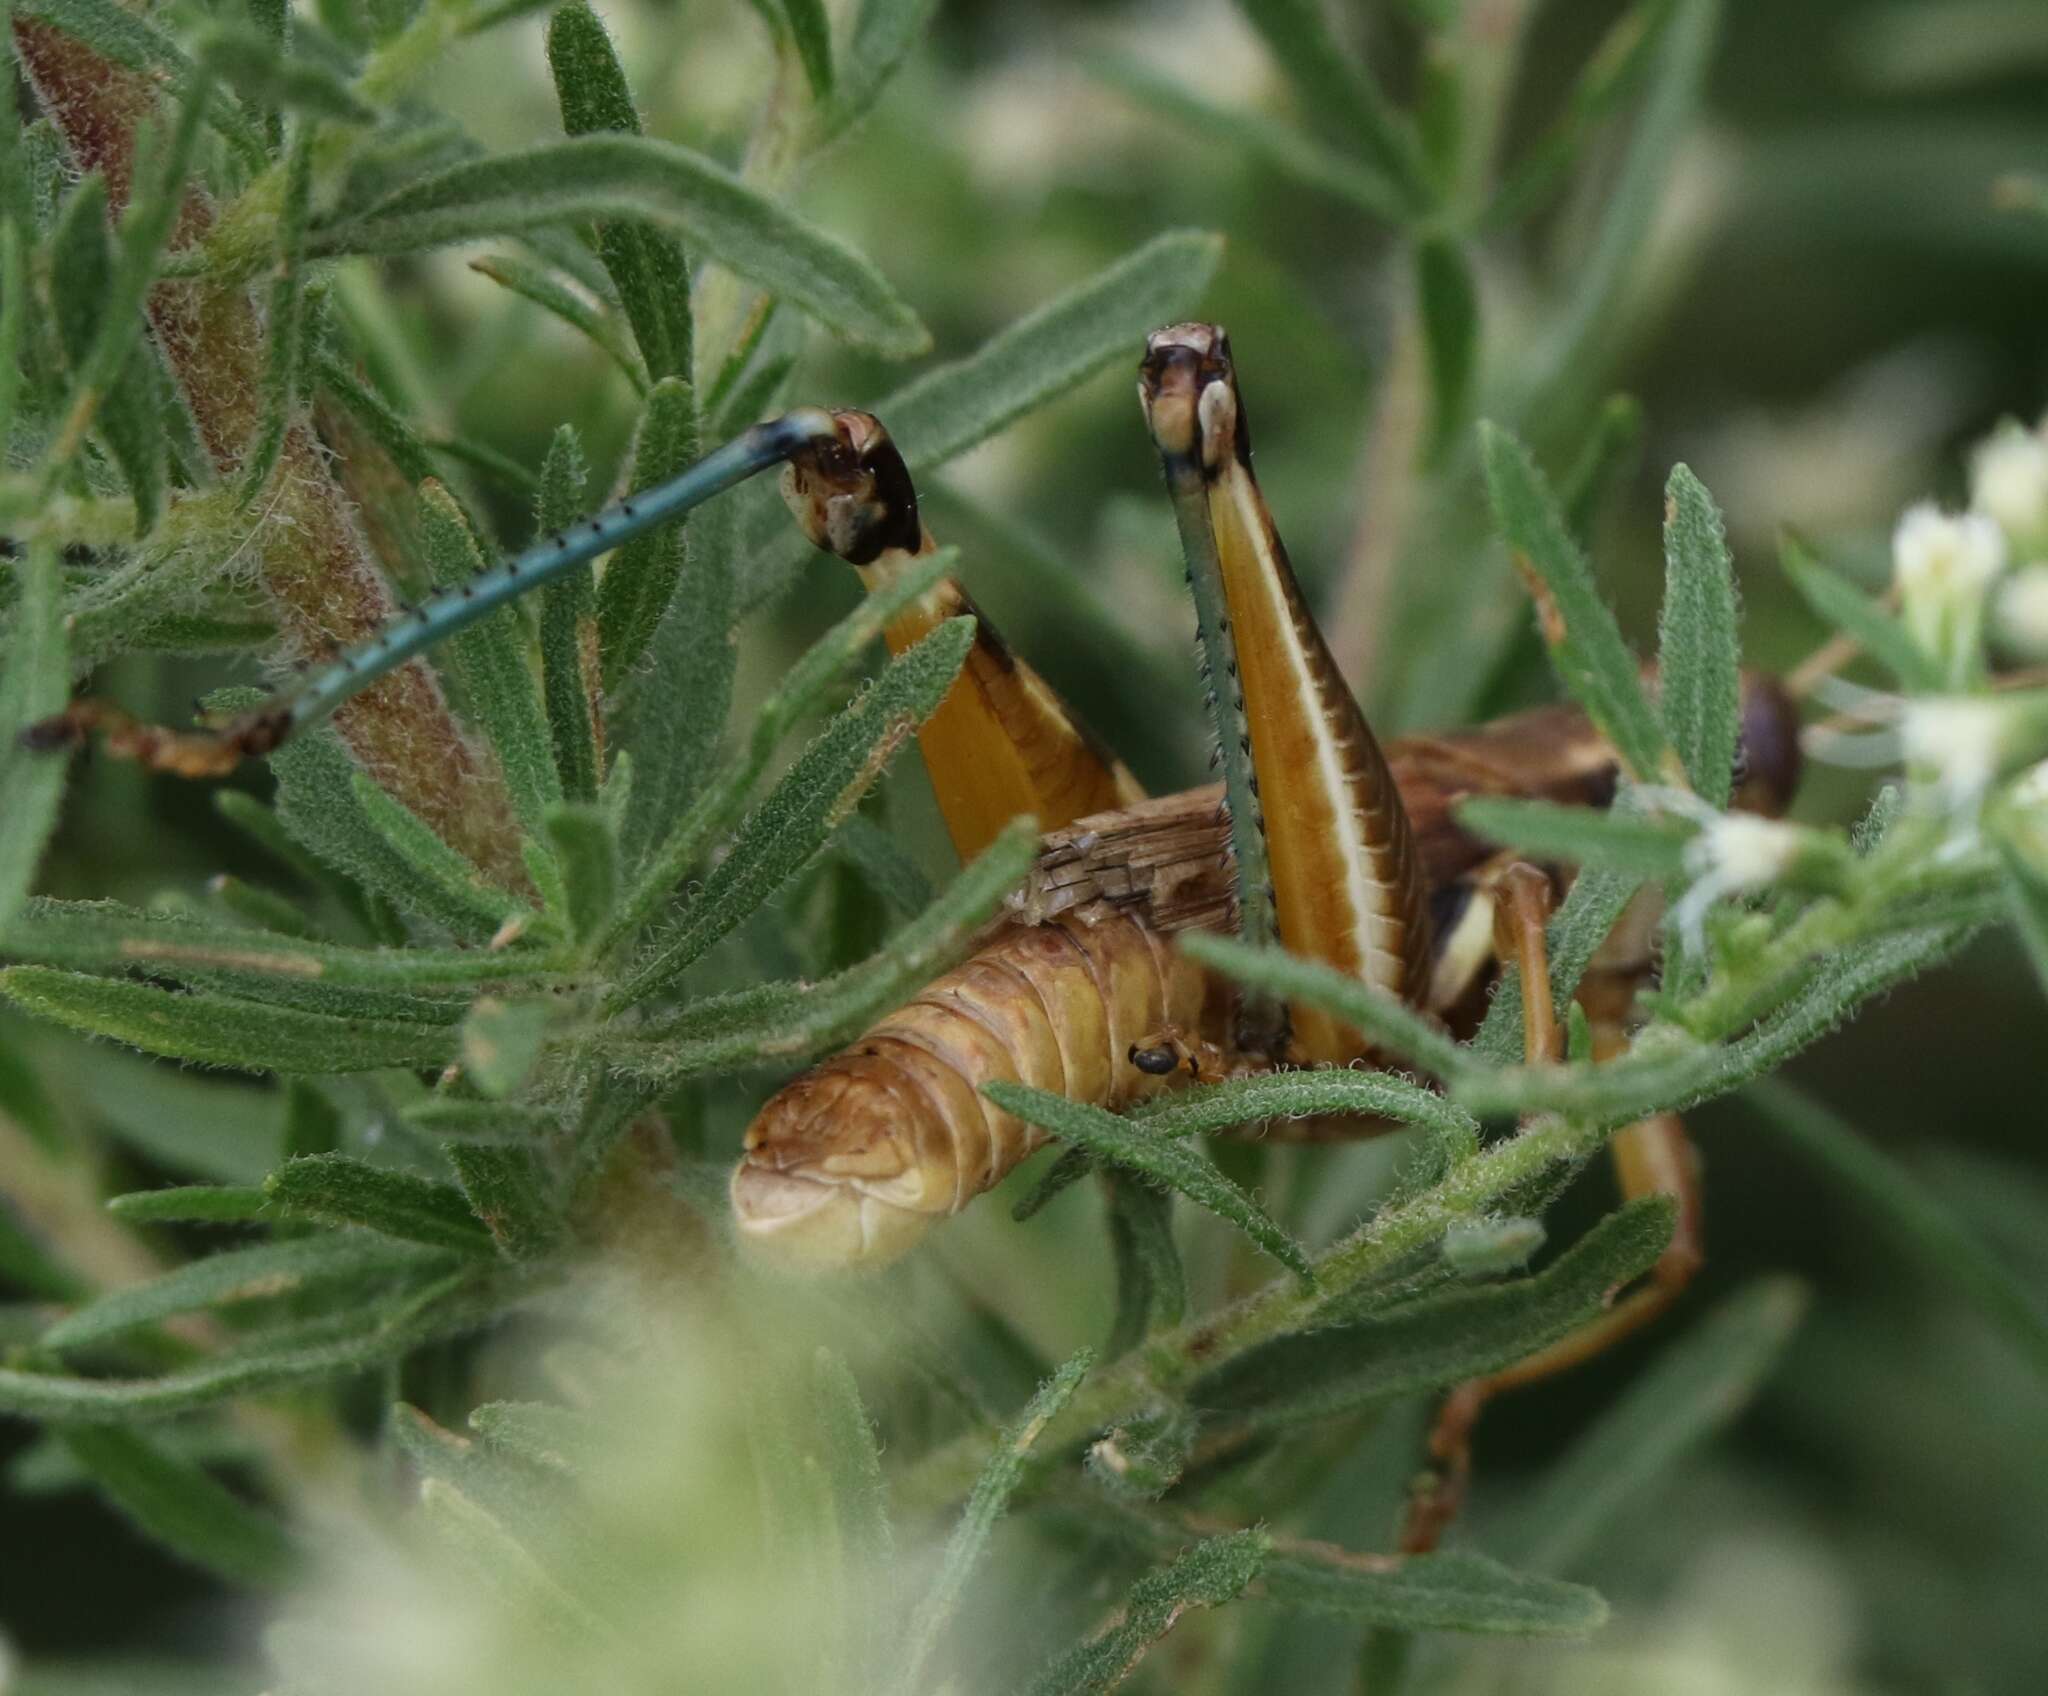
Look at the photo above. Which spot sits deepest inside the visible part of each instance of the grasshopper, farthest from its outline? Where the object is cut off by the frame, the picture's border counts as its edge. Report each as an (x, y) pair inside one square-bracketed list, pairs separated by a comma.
[(1345, 849)]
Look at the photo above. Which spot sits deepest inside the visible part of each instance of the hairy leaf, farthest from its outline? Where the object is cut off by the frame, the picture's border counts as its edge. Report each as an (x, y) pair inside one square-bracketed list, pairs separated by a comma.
[(1699, 654)]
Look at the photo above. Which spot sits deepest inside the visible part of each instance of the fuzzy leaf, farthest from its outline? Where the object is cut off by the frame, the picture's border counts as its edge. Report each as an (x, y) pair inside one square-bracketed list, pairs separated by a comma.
[(336, 1189), (182, 1507), (811, 29), (491, 659), (588, 852), (1699, 654), (1206, 1109), (948, 409), (1211, 1573), (647, 265), (1439, 1340), (1696, 1386), (985, 1504), (191, 1204), (502, 1042), (540, 285), (883, 34), (639, 583), (1393, 1025), (632, 177), (479, 1542), (298, 1266), (1674, 1072), (1337, 90), (822, 787), (780, 1022), (1175, 1164), (253, 67), (222, 1030), (567, 625), (509, 1192), (1909, 1213), (1640, 846), (1151, 1284), (1585, 643), (1839, 603), (34, 680), (1276, 146), (1443, 1592), (271, 1362), (436, 878), (852, 1465)]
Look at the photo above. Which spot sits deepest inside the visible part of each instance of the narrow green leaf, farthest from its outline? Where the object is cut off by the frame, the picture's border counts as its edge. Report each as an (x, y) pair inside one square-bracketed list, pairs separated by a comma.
[(510, 1193), (274, 1362), (359, 831), (883, 34), (540, 285), (647, 265), (14, 289), (1393, 1025), (1442, 1339), (588, 852), (191, 1204), (1276, 146), (1631, 843), (1176, 1164), (1841, 605), (283, 372), (438, 879), (491, 659), (336, 1189), (301, 1266), (1213, 1572), (514, 1577), (985, 1504), (1338, 91), (1675, 1072), (222, 1030), (811, 29), (1909, 1213), (502, 1042), (1151, 1284), (34, 682), (639, 583), (251, 65), (104, 936), (1585, 643), (568, 628), (1699, 653), (948, 409), (184, 1508), (1447, 303), (777, 1023), (1488, 1248), (825, 784), (81, 278), (1613, 72), (538, 1433), (632, 177), (852, 1463), (1697, 1386), (1443, 1592), (1208, 1108)]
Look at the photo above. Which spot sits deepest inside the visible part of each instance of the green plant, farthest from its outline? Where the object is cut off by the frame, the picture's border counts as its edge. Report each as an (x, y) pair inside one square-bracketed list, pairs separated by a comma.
[(542, 909)]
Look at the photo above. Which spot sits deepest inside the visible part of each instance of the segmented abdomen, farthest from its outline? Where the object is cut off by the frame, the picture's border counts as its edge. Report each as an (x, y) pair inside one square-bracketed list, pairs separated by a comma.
[(850, 1163)]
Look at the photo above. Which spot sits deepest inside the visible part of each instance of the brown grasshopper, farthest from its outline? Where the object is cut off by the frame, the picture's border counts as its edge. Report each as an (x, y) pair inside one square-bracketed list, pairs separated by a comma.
[(1080, 989)]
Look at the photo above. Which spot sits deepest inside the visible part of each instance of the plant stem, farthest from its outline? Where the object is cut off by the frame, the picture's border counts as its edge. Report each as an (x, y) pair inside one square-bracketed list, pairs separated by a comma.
[(1174, 1359)]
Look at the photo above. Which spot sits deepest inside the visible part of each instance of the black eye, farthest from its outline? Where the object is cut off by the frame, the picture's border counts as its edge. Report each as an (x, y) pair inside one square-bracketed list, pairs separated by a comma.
[(1153, 1062)]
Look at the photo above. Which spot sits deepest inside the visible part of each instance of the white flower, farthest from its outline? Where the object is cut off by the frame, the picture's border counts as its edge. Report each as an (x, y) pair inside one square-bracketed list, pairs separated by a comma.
[(1945, 564), (1953, 747), (1732, 853), (2020, 613), (2009, 482)]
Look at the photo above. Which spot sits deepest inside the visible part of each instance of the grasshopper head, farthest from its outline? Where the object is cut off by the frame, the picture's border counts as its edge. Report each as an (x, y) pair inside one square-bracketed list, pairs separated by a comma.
[(850, 491)]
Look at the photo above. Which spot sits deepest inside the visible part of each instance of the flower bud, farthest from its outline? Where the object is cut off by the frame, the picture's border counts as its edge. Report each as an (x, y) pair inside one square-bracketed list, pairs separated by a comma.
[(2019, 616), (2009, 485), (1944, 565)]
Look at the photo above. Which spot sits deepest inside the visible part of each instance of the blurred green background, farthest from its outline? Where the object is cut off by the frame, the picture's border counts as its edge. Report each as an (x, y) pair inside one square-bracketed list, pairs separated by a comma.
[(1828, 307)]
